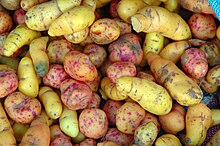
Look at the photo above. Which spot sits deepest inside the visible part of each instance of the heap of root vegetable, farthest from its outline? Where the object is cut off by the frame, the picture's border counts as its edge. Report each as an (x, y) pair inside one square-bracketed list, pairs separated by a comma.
[(109, 73)]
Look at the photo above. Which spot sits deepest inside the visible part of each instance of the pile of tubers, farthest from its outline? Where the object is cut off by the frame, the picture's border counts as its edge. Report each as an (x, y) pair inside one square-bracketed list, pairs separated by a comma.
[(109, 73)]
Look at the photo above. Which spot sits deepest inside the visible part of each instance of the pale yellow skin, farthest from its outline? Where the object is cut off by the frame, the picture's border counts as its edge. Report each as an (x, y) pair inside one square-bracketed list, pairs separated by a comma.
[(153, 42), (146, 93), (218, 32), (69, 123), (10, 4), (28, 80), (181, 88), (6, 132), (12, 62), (47, 11), (145, 134), (151, 118), (198, 120), (154, 2), (215, 140), (103, 94), (37, 50), (51, 101), (101, 3), (37, 134), (174, 50), (167, 140), (73, 20), (215, 116), (149, 2), (127, 8), (7, 67), (2, 38), (110, 90), (19, 130), (27, 4), (89, 3), (7, 138), (47, 119), (171, 5), (77, 37), (147, 20), (18, 37), (65, 5), (79, 138), (213, 75)]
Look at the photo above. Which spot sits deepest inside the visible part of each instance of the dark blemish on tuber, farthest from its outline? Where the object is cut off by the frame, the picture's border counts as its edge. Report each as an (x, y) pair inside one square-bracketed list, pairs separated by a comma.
[(188, 140), (178, 26), (158, 16), (149, 13), (169, 78), (192, 94), (164, 72), (196, 9), (22, 4), (26, 17)]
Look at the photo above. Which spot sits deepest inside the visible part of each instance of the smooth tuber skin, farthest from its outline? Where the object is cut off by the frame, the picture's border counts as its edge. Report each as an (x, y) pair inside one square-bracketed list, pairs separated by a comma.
[(174, 121), (79, 66), (129, 117), (19, 16), (21, 108), (126, 48), (202, 26), (38, 133), (6, 22), (110, 108), (146, 93), (57, 49), (75, 94), (95, 117), (9, 82), (120, 69), (198, 121), (197, 6), (114, 135), (147, 20), (6, 131), (182, 88), (55, 76), (194, 63)]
